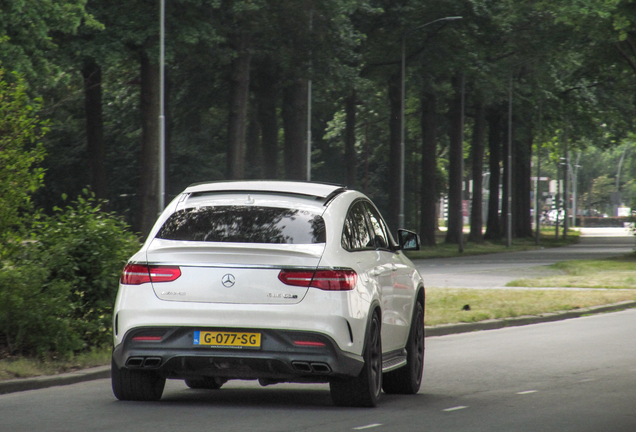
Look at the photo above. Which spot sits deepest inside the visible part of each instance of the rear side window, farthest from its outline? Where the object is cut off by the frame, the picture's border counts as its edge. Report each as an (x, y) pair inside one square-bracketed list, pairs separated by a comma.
[(355, 232), (244, 224), (378, 228)]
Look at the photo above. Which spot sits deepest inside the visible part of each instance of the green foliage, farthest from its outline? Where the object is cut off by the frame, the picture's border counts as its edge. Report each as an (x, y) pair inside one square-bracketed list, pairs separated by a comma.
[(87, 248), (30, 31), (57, 294), (35, 315), (20, 152)]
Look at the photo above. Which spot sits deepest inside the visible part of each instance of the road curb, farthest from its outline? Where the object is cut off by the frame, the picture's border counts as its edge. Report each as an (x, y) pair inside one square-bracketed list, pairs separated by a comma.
[(448, 329), (23, 384), (101, 372)]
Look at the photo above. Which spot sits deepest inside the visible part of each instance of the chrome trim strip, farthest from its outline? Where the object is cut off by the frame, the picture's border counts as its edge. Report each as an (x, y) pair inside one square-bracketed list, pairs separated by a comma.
[(238, 266)]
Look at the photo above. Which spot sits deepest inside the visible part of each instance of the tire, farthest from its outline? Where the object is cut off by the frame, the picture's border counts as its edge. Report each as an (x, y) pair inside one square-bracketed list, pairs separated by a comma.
[(205, 383), (136, 385), (363, 390), (408, 378)]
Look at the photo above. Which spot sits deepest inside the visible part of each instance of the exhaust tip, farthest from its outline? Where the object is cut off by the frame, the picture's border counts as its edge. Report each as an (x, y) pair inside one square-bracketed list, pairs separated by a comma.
[(151, 362), (135, 362), (143, 362), (316, 368), (302, 367), (321, 368)]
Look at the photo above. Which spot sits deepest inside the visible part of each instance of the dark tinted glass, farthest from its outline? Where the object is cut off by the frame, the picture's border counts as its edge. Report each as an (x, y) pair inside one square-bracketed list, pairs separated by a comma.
[(378, 228), (355, 233), (244, 224)]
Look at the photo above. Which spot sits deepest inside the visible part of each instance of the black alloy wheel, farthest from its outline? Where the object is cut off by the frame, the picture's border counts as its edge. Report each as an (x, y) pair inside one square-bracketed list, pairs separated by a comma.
[(363, 390), (136, 385), (408, 379)]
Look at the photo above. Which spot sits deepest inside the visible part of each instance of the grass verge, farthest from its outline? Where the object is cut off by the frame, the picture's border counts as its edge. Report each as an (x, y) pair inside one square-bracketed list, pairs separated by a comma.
[(446, 305), (611, 273), (443, 250), (24, 367)]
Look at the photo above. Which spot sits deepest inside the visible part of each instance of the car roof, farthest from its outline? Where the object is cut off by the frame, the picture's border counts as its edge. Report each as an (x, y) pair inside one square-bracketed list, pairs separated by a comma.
[(318, 190)]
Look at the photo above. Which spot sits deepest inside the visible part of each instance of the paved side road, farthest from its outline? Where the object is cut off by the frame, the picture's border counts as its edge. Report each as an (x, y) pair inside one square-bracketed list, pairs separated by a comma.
[(496, 270), (474, 272)]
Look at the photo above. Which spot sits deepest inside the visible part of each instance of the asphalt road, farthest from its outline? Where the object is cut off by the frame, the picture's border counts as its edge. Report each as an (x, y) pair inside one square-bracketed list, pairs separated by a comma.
[(575, 375), (496, 270)]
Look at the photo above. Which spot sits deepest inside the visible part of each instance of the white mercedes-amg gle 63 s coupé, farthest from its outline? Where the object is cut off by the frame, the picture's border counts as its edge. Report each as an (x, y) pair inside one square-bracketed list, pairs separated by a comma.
[(273, 281)]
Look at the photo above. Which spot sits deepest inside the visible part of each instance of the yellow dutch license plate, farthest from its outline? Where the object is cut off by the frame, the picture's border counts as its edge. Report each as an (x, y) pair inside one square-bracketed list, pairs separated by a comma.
[(227, 339)]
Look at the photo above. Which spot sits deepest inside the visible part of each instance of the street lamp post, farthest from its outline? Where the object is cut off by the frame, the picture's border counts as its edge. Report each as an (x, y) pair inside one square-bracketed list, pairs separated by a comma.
[(617, 201), (574, 179), (162, 117), (402, 97), (309, 94)]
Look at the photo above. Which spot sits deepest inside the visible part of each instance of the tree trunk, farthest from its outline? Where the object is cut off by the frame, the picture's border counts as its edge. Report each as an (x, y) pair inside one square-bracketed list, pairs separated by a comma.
[(522, 185), (505, 203), (149, 187), (350, 141), (395, 166), (477, 156), (493, 224), (254, 155), (428, 214), (455, 222), (92, 73), (295, 124), (239, 97), (267, 94)]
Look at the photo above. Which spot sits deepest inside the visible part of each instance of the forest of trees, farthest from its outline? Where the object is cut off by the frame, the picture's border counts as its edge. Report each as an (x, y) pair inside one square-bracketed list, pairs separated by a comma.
[(237, 80)]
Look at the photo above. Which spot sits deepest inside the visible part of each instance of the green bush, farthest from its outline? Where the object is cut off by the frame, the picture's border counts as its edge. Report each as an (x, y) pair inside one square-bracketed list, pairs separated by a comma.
[(62, 285), (35, 314)]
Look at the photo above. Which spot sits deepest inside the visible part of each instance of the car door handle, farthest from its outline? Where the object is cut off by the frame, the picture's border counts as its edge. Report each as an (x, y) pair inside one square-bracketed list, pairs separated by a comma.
[(394, 267)]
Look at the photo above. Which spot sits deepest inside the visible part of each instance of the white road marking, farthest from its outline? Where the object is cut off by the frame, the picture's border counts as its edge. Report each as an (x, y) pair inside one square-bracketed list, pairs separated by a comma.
[(367, 426), (526, 392), (457, 408)]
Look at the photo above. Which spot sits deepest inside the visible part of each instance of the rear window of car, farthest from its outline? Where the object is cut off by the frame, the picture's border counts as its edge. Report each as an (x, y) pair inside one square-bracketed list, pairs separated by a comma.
[(244, 224)]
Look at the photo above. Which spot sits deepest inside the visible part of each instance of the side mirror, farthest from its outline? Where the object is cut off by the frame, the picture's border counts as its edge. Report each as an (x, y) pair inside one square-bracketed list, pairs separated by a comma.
[(408, 240)]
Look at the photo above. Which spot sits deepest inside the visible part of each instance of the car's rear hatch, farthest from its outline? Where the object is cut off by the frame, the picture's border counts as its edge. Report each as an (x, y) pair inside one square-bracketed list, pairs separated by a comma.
[(231, 273), (231, 247)]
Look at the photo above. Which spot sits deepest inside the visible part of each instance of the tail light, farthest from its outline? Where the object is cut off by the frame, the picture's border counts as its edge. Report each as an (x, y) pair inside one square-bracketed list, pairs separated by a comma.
[(137, 274), (149, 336), (328, 280), (307, 343), (296, 277)]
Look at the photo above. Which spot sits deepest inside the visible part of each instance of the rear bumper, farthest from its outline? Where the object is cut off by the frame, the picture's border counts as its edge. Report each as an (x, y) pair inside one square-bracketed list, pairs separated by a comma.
[(278, 359), (341, 316)]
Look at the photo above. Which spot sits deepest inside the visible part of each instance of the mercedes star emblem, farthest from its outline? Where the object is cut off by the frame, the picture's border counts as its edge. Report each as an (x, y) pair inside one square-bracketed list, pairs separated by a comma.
[(228, 280)]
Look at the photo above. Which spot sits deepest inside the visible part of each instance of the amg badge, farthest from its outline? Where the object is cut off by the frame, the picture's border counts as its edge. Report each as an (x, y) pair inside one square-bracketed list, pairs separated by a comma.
[(284, 296)]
